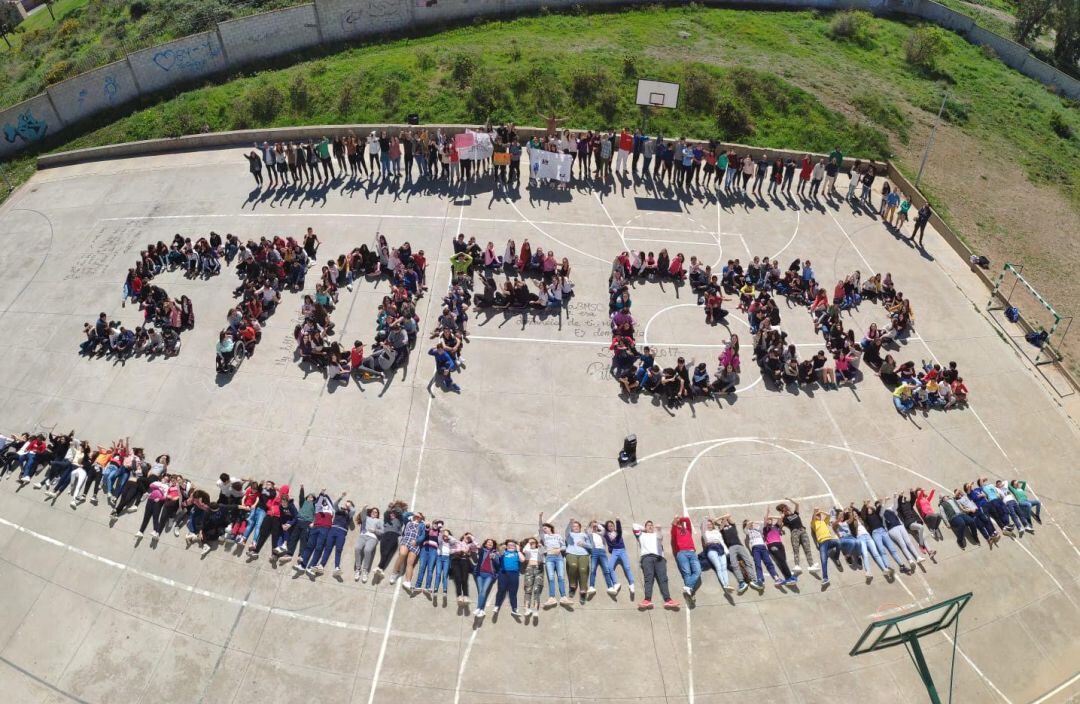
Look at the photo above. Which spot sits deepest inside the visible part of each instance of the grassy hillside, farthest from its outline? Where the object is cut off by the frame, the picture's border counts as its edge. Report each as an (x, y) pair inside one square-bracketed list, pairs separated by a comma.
[(90, 33)]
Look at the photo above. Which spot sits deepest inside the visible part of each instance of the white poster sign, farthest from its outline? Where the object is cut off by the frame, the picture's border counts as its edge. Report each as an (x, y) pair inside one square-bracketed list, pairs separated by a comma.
[(549, 166)]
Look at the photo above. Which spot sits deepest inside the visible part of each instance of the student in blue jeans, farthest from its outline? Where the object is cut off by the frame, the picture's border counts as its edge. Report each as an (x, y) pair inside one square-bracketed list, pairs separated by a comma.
[(487, 567), (553, 546), (509, 576), (317, 536), (598, 559), (334, 542), (617, 555), (429, 553)]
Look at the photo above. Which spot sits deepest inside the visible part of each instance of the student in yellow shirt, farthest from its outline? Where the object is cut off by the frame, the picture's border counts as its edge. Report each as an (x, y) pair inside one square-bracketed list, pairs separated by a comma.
[(828, 545)]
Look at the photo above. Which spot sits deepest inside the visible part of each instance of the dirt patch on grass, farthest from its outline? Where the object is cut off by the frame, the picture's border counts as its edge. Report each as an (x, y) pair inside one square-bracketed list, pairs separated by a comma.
[(1006, 217)]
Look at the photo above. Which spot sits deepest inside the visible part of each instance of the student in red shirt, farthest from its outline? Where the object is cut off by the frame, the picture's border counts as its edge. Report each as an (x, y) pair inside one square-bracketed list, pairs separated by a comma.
[(626, 144), (806, 170), (682, 544)]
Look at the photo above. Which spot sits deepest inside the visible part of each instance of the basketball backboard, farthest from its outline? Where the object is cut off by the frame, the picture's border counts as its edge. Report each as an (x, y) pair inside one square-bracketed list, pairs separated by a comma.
[(657, 94), (907, 629)]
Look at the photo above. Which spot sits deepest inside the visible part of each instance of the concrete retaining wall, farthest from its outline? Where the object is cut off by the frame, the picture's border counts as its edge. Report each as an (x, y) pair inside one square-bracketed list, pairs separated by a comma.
[(342, 20), (27, 124), (183, 60), (283, 32), (270, 34), (89, 93)]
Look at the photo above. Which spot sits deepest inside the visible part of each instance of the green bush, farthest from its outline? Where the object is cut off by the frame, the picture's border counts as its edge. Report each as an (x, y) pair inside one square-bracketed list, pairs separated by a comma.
[(425, 61), (607, 102), (925, 46), (515, 50), (265, 103), (884, 112), (1061, 128), (57, 72), (391, 93), (462, 67), (585, 85), (699, 90), (853, 26), (629, 66), (732, 118), (345, 99), (487, 94), (299, 93)]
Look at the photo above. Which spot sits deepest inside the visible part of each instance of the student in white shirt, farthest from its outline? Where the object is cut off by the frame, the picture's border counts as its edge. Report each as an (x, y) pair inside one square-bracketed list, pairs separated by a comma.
[(650, 539)]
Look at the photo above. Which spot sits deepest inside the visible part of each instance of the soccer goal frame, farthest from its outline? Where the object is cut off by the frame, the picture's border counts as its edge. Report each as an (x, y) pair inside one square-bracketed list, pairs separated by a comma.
[(1000, 301)]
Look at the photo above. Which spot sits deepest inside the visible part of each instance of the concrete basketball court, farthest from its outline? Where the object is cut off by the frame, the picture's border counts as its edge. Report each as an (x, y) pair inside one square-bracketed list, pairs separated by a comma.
[(89, 616)]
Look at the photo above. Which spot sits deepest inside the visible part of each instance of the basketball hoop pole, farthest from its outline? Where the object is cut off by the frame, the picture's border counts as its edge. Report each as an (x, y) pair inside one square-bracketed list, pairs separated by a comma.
[(915, 651)]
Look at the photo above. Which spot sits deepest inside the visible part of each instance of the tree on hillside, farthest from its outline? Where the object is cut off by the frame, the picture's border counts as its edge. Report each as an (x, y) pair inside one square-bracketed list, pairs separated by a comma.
[(5, 29), (1034, 17)]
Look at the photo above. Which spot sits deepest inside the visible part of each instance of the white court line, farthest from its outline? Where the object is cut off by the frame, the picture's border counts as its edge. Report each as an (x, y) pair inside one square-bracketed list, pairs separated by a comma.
[(853, 245), (755, 503), (601, 343), (686, 510), (243, 603), (653, 239), (396, 216), (620, 233), (1056, 690), (464, 662), (545, 234), (397, 587), (798, 221)]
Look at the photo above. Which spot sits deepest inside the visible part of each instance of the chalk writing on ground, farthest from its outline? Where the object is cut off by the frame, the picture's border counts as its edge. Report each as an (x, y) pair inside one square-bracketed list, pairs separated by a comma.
[(103, 249)]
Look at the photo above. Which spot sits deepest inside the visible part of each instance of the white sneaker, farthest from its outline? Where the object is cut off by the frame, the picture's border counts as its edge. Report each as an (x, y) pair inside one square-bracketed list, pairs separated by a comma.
[(495, 611), (310, 572), (74, 503), (515, 613), (479, 613), (39, 485), (363, 577), (631, 591), (298, 567), (155, 535), (176, 530), (408, 585), (528, 613), (564, 600), (337, 571), (686, 590), (393, 578), (138, 534), (356, 576), (815, 568), (205, 549), (728, 588), (920, 558), (797, 569), (613, 590), (592, 590)]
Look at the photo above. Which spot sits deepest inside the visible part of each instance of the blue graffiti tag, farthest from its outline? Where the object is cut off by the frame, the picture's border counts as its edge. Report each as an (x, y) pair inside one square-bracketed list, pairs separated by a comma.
[(190, 58), (27, 127), (111, 88)]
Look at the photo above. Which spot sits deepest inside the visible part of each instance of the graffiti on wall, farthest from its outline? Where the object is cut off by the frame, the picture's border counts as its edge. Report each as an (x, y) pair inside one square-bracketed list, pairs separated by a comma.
[(187, 58), (375, 14), (27, 128)]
